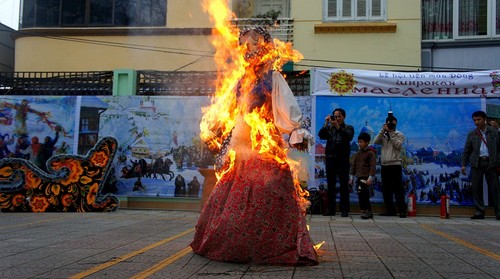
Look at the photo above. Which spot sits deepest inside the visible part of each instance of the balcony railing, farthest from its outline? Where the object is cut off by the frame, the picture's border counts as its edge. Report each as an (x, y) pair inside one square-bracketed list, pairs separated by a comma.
[(281, 28), (56, 83)]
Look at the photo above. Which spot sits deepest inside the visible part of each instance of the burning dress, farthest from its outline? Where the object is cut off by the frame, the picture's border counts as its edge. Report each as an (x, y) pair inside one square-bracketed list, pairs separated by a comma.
[(256, 212)]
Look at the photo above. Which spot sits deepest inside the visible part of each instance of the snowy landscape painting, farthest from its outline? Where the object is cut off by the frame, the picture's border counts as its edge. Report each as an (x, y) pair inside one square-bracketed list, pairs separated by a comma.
[(160, 151), (435, 130)]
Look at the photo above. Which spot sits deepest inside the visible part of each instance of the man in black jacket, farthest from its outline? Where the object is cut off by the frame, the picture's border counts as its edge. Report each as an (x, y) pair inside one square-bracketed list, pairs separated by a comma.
[(481, 150), (338, 136)]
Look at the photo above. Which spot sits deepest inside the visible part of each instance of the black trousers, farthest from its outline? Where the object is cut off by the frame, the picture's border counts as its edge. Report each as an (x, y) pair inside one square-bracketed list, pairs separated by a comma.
[(477, 175), (363, 194), (392, 187), (337, 169)]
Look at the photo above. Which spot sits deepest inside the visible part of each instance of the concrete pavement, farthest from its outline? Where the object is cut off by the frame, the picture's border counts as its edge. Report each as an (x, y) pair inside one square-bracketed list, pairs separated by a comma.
[(154, 244)]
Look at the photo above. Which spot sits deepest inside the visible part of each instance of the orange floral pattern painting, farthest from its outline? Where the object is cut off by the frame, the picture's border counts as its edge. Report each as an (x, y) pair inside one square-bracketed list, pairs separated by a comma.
[(73, 182)]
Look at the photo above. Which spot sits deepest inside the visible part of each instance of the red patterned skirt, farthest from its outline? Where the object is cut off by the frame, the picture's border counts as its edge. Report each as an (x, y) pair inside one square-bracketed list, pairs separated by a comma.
[(253, 216)]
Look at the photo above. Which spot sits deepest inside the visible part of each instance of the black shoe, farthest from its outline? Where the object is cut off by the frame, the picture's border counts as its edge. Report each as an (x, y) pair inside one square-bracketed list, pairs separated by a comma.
[(367, 215), (344, 214), (498, 217), (387, 214), (477, 216), (402, 215)]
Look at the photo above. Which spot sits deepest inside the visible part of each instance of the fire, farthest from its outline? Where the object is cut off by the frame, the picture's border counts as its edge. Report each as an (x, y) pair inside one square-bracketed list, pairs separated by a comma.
[(318, 246), (228, 110)]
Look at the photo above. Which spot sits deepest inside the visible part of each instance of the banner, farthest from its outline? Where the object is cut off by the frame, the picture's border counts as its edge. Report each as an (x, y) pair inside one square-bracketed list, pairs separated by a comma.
[(339, 82)]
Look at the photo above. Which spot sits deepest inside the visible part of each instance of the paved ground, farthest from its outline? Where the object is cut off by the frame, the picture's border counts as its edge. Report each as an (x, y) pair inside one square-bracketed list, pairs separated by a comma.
[(154, 244)]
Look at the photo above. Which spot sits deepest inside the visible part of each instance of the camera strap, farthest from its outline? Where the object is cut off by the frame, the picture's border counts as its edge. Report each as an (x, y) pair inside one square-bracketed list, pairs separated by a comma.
[(481, 136)]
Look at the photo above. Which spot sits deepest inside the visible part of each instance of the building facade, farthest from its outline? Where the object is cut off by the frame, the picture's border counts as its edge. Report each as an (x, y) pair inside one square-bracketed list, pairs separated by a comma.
[(372, 34), (89, 35), (460, 35)]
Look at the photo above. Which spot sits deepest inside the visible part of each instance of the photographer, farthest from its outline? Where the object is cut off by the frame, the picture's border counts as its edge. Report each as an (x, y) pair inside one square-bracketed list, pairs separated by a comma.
[(338, 136), (391, 172)]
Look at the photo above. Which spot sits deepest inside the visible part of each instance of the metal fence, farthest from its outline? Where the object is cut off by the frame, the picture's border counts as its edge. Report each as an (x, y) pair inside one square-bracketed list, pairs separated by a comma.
[(299, 82), (175, 83), (56, 83), (159, 83), (149, 83)]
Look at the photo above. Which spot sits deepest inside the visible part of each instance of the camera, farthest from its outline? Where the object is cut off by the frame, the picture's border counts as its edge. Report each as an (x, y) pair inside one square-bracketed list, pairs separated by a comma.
[(390, 121), (390, 117), (386, 135)]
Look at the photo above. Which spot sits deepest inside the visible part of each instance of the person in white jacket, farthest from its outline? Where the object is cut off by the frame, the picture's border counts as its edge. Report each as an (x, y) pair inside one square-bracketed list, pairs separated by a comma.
[(391, 172)]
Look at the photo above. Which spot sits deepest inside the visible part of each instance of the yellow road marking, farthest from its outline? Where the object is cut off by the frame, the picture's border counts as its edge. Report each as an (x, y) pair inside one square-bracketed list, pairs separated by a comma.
[(163, 264), (128, 256), (464, 243)]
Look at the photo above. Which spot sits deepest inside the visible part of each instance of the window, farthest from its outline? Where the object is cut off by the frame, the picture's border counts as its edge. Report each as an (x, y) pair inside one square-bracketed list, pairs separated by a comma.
[(73, 12), (84, 124), (460, 19), (497, 18), (67, 13), (140, 12), (47, 13), (101, 12), (264, 6), (355, 10), (28, 13)]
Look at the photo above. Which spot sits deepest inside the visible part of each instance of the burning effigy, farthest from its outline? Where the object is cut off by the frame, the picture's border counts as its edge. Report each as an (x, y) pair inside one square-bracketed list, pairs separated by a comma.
[(256, 212)]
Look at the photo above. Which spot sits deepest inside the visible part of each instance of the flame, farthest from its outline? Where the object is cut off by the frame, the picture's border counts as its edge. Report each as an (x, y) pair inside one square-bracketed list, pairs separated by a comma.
[(232, 156), (318, 246), (228, 111), (219, 118)]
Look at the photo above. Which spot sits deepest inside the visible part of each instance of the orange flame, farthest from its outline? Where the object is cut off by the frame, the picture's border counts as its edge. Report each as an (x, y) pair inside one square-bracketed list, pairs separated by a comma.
[(227, 110), (318, 246)]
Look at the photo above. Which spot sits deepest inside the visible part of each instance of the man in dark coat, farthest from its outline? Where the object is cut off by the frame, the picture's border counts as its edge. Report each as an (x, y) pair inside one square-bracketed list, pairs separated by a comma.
[(180, 186), (338, 136), (481, 151), (193, 187)]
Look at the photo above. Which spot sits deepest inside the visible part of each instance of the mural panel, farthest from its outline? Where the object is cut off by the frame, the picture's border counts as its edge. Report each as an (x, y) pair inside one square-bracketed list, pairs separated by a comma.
[(36, 127), (160, 152)]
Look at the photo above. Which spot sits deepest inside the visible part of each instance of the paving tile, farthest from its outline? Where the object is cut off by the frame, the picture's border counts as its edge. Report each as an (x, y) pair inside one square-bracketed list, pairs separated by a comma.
[(23, 272)]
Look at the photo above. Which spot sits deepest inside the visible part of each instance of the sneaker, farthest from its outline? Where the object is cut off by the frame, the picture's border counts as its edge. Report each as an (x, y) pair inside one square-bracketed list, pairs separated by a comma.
[(344, 214), (402, 215), (476, 216), (367, 215)]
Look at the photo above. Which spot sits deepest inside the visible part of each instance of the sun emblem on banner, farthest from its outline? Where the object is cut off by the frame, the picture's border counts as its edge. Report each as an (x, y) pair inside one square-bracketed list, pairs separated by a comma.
[(341, 82)]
